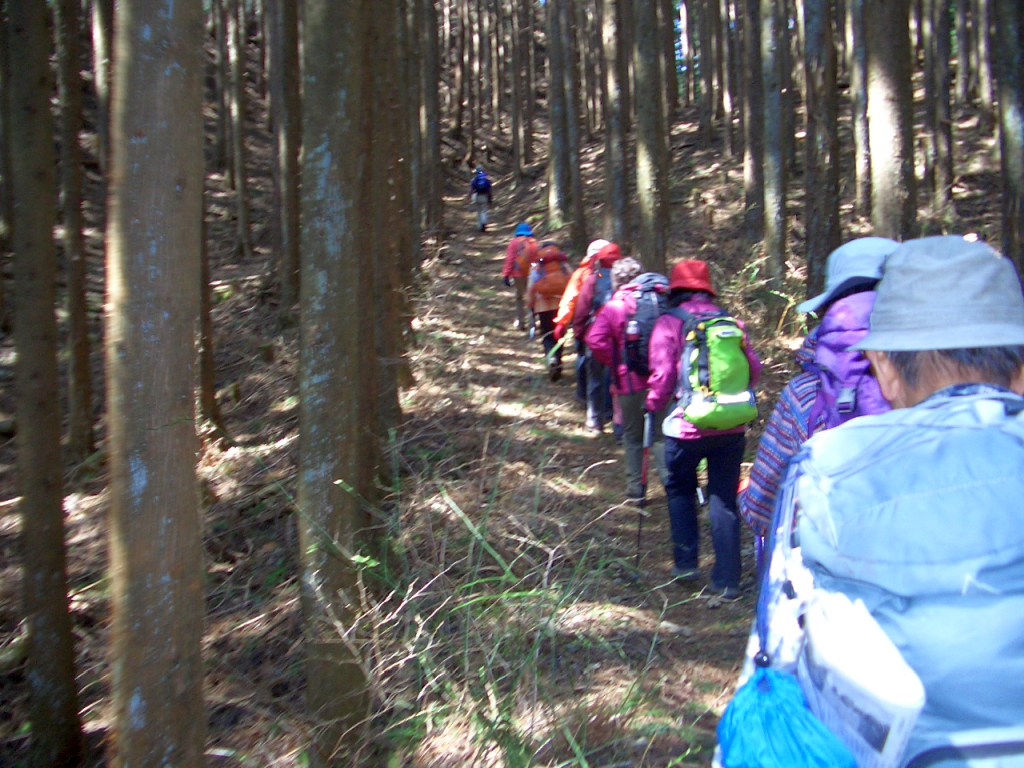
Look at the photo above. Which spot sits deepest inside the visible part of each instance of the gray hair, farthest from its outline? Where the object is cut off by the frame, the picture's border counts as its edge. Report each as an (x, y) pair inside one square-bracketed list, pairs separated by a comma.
[(993, 365), (624, 270)]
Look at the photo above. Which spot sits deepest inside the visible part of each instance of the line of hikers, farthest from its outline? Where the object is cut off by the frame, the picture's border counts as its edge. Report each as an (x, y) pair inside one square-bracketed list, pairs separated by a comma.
[(891, 470)]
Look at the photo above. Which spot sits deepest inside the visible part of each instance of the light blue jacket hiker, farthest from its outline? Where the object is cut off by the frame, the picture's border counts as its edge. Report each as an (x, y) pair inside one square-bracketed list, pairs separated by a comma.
[(920, 513)]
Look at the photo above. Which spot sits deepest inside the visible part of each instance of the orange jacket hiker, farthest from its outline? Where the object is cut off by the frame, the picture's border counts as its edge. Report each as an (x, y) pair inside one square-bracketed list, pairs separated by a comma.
[(548, 279)]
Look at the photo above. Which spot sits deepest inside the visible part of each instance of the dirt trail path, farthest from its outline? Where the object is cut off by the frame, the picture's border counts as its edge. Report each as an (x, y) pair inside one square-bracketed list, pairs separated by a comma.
[(509, 448)]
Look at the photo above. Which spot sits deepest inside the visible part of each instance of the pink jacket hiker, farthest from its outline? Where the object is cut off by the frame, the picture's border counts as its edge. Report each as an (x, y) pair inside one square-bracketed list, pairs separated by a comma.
[(606, 338), (666, 350)]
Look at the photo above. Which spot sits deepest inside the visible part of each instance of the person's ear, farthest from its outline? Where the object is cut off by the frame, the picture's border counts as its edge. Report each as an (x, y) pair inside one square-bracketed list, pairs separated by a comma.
[(889, 379), (1017, 382)]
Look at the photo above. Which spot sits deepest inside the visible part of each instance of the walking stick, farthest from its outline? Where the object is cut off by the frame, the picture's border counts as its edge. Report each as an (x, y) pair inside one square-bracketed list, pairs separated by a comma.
[(648, 437)]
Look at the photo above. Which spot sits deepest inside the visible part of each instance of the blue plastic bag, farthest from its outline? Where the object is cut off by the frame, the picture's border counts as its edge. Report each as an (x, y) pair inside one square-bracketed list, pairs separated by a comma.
[(768, 725)]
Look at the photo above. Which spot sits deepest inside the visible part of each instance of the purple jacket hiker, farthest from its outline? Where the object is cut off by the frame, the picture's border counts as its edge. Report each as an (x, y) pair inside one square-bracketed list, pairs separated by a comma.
[(606, 336), (814, 400)]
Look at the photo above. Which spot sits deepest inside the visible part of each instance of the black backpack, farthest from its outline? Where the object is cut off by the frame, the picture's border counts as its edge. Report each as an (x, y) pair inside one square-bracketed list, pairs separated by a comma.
[(602, 288), (651, 303)]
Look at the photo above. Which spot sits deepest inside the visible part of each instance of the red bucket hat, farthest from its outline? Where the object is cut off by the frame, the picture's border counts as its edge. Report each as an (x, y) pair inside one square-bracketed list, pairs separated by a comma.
[(691, 275)]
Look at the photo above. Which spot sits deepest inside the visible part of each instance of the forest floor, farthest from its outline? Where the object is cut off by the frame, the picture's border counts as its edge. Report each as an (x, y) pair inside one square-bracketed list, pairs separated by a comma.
[(517, 629)]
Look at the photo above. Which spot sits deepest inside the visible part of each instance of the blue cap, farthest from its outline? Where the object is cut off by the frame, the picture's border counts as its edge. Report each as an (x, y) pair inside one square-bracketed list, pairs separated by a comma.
[(523, 230)]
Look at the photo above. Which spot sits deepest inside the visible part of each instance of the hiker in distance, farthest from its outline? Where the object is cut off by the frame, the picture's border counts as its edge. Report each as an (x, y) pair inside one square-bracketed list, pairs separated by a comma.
[(835, 383), (701, 358), (480, 195), (520, 255), (619, 338), (595, 291), (548, 278), (918, 511)]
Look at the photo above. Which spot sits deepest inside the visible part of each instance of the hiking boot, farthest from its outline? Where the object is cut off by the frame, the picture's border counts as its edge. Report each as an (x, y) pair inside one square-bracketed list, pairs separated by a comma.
[(726, 593), (685, 574), (554, 370)]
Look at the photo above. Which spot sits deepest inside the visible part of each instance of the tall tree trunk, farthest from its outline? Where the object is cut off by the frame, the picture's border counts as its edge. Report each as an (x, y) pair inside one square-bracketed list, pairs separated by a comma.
[(857, 45), (207, 368), (774, 140), (518, 90), (982, 24), (821, 177), (943, 120), (616, 210), (462, 41), (431, 127), (651, 152), (102, 44), (153, 247), (529, 37), (222, 80), (80, 441), (236, 56), (963, 44), (53, 696), (336, 281), (6, 198), (578, 232), (283, 23), (667, 46), (890, 119), (753, 124), (708, 97), (1009, 41), (685, 20), (558, 145), (724, 48)]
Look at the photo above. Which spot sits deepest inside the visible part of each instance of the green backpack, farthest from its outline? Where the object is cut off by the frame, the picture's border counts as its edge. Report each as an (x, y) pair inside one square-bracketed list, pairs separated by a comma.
[(714, 389)]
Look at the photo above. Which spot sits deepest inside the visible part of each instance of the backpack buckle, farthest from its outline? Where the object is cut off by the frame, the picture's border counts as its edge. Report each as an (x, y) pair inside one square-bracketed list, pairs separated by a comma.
[(846, 401)]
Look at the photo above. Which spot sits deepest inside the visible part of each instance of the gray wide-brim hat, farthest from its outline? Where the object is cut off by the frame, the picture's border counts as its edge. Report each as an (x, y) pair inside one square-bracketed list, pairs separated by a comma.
[(861, 258), (946, 293)]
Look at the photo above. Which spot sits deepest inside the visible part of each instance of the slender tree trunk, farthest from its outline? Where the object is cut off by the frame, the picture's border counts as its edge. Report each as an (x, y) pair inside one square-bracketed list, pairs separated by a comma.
[(236, 56), (943, 120), (518, 91), (708, 97), (963, 45), (753, 124), (529, 37), (724, 48), (667, 45), (153, 246), (80, 441), (857, 45), (558, 147), (893, 185), (462, 39), (335, 275), (53, 696), (821, 176), (223, 88), (616, 210), (651, 166), (207, 368), (102, 43), (1009, 41), (685, 20), (774, 141), (434, 198), (283, 23), (476, 86), (982, 23), (578, 232)]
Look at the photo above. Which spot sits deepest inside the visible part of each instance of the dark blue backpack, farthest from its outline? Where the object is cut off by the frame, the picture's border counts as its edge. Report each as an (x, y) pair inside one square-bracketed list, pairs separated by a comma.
[(602, 288), (481, 184)]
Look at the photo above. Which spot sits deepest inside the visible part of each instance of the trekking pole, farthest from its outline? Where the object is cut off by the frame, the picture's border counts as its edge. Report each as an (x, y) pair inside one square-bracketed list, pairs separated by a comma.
[(648, 437)]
